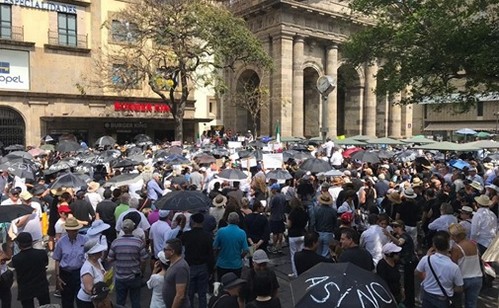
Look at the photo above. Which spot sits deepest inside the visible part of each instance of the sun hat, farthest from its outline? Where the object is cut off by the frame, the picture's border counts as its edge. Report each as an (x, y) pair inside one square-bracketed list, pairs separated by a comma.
[(483, 200), (325, 199), (100, 291), (219, 201), (128, 225), (492, 186), (38, 189), (25, 195), (416, 182), (97, 227), (390, 248), (163, 213), (394, 197), (260, 256), (93, 186), (93, 246), (476, 185), (488, 165), (64, 209), (409, 193), (230, 280), (72, 224), (466, 209)]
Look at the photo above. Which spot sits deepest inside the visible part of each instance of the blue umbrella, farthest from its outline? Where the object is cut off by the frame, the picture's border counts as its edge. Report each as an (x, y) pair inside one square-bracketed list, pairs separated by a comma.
[(459, 164), (466, 131)]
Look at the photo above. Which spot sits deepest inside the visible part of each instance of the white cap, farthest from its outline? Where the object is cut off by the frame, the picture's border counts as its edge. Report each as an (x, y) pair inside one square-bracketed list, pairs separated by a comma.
[(390, 248)]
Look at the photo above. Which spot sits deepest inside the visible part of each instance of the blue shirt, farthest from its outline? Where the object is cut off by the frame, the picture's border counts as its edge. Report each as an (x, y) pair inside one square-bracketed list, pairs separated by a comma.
[(69, 253), (231, 242), (154, 192)]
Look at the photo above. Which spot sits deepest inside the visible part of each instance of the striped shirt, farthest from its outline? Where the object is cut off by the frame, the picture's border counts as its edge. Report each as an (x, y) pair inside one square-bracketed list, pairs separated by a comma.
[(127, 252)]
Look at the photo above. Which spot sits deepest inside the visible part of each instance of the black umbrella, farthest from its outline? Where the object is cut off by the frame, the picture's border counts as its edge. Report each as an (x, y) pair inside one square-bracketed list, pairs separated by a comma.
[(176, 159), (256, 144), (142, 139), (107, 156), (183, 201), (204, 158), (10, 212), (315, 165), (21, 154), (366, 157), (126, 162), (68, 180), (68, 146), (123, 179), (406, 156), (232, 175), (279, 175), (161, 155), (134, 151), (219, 151), (493, 156), (105, 141), (61, 165), (47, 138), (20, 168), (179, 180), (175, 150), (384, 154), (340, 285), (15, 147)]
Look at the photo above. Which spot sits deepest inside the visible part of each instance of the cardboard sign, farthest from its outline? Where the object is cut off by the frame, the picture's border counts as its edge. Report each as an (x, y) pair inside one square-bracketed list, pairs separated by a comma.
[(176, 143), (234, 144), (272, 161), (249, 162)]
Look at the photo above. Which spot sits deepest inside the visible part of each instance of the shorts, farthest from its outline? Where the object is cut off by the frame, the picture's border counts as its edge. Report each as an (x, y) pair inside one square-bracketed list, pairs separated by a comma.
[(277, 226)]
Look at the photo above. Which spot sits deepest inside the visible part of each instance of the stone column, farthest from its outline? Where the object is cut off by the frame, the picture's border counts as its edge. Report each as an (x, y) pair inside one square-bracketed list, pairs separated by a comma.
[(332, 70), (282, 51), (369, 127), (298, 50), (395, 117)]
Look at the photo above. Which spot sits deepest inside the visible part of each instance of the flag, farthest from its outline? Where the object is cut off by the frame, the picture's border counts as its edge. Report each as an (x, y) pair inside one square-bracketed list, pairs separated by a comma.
[(278, 132)]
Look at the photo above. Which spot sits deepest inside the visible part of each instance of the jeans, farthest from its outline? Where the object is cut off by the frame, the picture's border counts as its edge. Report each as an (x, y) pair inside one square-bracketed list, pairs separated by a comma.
[(198, 283), (71, 287), (295, 245), (472, 287), (433, 301), (125, 286), (324, 238)]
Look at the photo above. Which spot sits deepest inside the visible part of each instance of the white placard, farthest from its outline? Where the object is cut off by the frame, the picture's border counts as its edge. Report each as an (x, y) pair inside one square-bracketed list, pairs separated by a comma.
[(241, 138), (14, 69), (176, 143), (272, 161), (250, 161), (234, 144)]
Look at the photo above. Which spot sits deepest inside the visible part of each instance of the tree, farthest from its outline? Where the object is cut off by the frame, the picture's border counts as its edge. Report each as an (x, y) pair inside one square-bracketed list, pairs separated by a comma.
[(446, 50), (176, 45)]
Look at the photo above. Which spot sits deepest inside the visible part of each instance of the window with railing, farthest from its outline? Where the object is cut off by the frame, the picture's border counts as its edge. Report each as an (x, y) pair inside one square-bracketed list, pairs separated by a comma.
[(66, 29), (123, 31), (5, 21)]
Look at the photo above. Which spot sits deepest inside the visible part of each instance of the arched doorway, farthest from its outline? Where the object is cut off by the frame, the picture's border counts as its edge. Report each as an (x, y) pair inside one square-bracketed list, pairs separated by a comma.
[(349, 101), (311, 103), (12, 127), (247, 102)]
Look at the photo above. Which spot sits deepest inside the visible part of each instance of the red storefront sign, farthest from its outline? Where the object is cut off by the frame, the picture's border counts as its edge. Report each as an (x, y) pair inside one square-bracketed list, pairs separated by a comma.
[(141, 107)]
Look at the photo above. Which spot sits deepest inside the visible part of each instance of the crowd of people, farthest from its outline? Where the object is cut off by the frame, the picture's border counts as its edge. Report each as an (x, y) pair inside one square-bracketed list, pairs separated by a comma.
[(401, 220)]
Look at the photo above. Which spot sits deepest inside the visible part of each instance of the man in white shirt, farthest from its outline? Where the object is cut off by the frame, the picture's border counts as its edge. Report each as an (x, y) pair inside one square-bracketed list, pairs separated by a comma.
[(13, 198), (336, 158), (159, 234), (329, 145), (446, 218), (448, 273), (483, 224), (374, 238)]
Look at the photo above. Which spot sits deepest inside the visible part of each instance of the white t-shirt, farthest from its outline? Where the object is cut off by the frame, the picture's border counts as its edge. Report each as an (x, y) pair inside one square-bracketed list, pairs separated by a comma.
[(59, 227), (96, 273), (155, 283)]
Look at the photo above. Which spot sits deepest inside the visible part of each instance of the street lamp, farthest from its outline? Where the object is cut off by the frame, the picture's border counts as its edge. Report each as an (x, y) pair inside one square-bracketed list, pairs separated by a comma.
[(325, 85)]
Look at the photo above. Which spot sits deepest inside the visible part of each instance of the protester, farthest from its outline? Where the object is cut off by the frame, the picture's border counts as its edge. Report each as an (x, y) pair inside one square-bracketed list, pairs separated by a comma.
[(91, 272), (352, 252), (156, 281), (307, 257), (229, 296), (388, 270), (260, 265), (484, 224), (176, 285), (297, 221), (277, 207)]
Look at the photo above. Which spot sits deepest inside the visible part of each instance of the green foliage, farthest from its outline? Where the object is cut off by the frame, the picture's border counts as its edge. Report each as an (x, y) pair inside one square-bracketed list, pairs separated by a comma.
[(445, 49)]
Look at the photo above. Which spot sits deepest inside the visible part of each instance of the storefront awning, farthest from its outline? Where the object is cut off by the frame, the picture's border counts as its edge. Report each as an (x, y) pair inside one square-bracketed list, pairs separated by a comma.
[(434, 127)]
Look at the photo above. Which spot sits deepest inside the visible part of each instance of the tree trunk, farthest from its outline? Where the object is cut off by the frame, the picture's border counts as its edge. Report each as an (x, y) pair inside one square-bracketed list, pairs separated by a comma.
[(179, 128)]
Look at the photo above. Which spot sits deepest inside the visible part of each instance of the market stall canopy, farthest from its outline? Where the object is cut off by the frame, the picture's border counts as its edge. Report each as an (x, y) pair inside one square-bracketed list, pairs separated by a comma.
[(418, 139), (362, 137), (351, 141), (484, 144), (385, 140), (448, 146)]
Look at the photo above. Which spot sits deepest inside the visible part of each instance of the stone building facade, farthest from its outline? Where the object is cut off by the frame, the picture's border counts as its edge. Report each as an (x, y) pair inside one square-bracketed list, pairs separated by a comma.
[(305, 39), (48, 51)]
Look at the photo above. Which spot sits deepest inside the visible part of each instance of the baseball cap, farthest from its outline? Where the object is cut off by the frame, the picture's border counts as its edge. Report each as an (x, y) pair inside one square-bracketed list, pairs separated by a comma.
[(260, 256), (128, 225), (390, 248)]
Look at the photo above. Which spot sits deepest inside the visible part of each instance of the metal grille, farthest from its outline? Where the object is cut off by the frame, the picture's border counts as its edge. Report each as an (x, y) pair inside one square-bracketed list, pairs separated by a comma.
[(12, 127)]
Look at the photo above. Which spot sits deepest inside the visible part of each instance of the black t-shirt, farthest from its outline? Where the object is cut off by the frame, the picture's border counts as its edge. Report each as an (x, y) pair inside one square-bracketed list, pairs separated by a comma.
[(391, 276), (272, 303), (224, 300), (358, 256), (247, 291), (299, 218), (82, 210), (31, 272), (306, 259), (258, 227), (409, 212), (106, 211)]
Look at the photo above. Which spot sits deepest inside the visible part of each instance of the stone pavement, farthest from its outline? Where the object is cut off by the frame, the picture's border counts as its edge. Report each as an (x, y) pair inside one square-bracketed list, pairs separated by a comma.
[(282, 265)]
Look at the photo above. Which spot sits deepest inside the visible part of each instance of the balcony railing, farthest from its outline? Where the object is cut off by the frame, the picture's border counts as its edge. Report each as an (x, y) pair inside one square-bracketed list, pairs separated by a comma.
[(12, 33), (76, 41)]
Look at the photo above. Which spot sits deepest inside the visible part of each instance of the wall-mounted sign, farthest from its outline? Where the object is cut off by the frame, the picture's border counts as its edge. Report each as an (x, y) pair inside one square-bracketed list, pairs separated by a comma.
[(121, 125), (141, 107), (42, 5), (14, 69)]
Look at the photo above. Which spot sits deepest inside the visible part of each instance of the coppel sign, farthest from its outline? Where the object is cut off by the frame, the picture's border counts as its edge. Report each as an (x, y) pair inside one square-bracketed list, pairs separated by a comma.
[(14, 69)]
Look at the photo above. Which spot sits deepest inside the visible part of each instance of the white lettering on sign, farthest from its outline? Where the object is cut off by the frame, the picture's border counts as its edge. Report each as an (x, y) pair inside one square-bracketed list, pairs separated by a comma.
[(371, 294), (46, 6)]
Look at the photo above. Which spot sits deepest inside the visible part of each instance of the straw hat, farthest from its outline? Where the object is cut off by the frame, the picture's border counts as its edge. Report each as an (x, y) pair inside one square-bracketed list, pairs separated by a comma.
[(93, 186), (466, 209), (25, 195), (416, 182), (219, 201), (395, 197), (72, 224), (476, 185), (409, 193), (483, 200), (488, 165), (325, 199)]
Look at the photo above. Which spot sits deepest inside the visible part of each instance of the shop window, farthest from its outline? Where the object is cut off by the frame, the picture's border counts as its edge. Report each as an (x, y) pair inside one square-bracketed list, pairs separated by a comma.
[(67, 29), (124, 76), (124, 32), (5, 21)]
